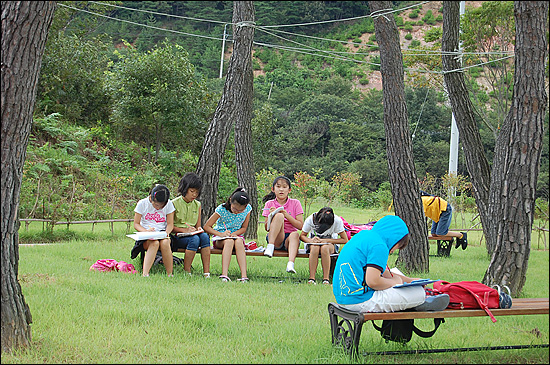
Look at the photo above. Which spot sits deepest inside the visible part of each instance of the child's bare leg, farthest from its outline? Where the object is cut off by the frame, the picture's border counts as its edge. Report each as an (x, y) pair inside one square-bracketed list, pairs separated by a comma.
[(167, 257), (151, 247), (293, 244), (205, 257), (241, 256), (276, 229), (188, 260), (226, 255), (313, 260), (326, 250)]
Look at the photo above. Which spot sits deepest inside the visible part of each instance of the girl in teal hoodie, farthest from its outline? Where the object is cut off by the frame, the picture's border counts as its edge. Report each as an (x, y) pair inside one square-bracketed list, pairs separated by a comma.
[(362, 280)]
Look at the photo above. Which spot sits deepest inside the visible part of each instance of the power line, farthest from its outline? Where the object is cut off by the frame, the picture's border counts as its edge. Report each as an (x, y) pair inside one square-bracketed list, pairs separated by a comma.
[(163, 14), (139, 24), (327, 54)]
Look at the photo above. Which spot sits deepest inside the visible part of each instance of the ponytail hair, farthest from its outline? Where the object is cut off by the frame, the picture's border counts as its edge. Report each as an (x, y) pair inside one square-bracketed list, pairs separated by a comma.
[(271, 194), (239, 196), (160, 193)]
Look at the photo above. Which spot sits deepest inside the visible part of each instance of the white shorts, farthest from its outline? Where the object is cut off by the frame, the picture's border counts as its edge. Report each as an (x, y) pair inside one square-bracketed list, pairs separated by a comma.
[(391, 300)]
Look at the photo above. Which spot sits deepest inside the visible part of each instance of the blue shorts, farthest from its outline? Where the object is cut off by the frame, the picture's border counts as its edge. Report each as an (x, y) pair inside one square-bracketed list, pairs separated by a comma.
[(283, 248), (191, 243), (441, 228)]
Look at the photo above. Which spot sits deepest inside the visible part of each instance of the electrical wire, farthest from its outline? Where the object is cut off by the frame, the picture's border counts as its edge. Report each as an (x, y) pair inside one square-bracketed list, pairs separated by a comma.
[(163, 14), (139, 24), (324, 53)]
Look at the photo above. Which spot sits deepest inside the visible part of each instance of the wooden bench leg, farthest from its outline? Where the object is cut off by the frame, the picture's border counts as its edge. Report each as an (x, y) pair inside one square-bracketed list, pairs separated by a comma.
[(346, 332), (444, 248), (333, 259)]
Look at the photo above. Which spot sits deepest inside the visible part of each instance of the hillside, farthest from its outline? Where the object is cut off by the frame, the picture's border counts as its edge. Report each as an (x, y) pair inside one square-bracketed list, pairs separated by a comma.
[(417, 32)]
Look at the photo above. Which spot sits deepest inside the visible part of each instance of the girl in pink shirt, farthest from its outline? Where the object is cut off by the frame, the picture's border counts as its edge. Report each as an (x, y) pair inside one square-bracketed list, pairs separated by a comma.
[(284, 225)]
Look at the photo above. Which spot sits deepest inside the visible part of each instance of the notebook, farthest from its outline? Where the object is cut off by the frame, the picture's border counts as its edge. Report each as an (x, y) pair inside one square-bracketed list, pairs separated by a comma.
[(415, 283)]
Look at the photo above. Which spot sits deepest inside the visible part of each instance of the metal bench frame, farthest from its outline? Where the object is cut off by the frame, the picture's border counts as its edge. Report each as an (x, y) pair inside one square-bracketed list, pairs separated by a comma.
[(346, 325)]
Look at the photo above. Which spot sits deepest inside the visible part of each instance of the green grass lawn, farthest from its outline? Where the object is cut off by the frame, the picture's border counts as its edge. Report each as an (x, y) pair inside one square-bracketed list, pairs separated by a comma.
[(82, 316)]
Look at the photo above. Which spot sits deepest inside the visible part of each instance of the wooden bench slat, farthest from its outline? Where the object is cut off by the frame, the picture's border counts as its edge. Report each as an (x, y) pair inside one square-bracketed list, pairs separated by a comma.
[(521, 306), (347, 331), (276, 253), (441, 238)]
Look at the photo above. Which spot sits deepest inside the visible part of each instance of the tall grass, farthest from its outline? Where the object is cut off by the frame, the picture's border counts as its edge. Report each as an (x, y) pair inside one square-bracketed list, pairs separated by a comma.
[(82, 316)]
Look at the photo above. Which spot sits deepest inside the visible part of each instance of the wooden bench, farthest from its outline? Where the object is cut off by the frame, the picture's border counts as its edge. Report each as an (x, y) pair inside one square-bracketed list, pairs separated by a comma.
[(444, 244), (276, 253), (347, 330)]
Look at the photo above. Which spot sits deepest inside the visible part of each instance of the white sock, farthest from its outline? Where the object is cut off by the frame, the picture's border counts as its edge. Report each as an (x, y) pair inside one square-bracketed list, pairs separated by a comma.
[(290, 267), (269, 250)]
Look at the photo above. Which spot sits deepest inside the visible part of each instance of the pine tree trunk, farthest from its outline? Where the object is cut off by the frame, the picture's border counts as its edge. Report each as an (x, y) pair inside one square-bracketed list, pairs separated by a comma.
[(230, 108), (505, 195), (476, 161), (402, 173), (24, 31), (517, 152), (243, 126)]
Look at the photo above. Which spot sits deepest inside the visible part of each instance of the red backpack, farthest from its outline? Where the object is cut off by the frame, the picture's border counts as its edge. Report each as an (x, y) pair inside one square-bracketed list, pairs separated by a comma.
[(469, 294)]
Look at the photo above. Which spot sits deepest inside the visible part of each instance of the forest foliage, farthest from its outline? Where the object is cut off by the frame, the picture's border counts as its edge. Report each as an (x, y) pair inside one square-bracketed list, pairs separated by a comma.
[(122, 106)]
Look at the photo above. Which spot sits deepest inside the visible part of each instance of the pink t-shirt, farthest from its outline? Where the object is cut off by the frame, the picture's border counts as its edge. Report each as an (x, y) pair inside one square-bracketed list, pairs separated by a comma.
[(292, 206)]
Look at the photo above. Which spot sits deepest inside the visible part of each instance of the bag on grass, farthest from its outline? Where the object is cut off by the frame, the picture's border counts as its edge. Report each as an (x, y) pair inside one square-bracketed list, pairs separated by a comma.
[(113, 265), (401, 330), (104, 265), (469, 295), (126, 267)]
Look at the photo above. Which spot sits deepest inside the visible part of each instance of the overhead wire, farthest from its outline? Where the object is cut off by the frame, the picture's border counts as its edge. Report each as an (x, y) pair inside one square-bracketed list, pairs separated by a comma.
[(324, 53), (163, 14), (139, 24)]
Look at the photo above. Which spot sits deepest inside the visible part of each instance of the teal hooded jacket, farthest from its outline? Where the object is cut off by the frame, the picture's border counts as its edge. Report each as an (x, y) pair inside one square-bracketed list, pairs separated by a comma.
[(366, 248)]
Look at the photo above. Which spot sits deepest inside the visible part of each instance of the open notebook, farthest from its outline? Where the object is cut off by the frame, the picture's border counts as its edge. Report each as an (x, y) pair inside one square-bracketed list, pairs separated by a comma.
[(270, 216), (415, 283), (185, 234), (156, 235)]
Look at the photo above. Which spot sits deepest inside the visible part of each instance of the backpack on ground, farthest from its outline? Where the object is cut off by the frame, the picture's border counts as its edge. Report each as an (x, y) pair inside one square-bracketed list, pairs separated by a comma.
[(401, 330), (469, 295)]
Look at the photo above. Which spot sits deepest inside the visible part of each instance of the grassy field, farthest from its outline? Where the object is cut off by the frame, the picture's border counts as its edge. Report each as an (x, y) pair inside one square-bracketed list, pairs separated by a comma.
[(82, 316)]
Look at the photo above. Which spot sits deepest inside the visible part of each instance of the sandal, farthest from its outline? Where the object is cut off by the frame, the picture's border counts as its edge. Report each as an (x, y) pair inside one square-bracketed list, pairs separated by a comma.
[(326, 282), (312, 281), (243, 280), (224, 278)]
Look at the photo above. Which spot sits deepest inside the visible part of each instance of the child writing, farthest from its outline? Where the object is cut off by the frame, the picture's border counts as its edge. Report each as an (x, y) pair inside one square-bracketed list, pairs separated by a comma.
[(441, 213), (283, 230), (362, 280), (322, 232), (227, 224), (155, 213), (187, 219)]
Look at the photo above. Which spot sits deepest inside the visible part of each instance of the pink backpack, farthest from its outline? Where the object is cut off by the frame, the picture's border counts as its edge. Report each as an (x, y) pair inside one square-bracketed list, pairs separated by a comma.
[(353, 229), (113, 265)]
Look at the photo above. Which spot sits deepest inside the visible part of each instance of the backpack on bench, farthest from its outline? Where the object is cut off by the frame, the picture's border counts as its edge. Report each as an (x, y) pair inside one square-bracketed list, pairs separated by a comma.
[(401, 330), (470, 295)]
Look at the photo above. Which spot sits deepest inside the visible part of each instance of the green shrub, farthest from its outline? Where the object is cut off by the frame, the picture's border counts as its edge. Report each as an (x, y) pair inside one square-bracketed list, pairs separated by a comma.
[(408, 36)]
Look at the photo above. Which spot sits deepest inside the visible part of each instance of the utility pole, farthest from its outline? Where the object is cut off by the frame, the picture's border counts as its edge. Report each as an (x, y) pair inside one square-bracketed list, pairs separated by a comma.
[(223, 49)]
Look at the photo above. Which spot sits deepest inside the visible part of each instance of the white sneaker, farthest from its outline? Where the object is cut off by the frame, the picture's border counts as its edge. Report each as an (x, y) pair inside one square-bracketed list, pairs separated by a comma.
[(269, 250), (206, 275), (290, 267)]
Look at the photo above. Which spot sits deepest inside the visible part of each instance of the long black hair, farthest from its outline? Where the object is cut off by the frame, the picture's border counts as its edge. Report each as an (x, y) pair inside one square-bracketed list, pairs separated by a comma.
[(323, 219), (190, 180), (239, 196), (271, 194)]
